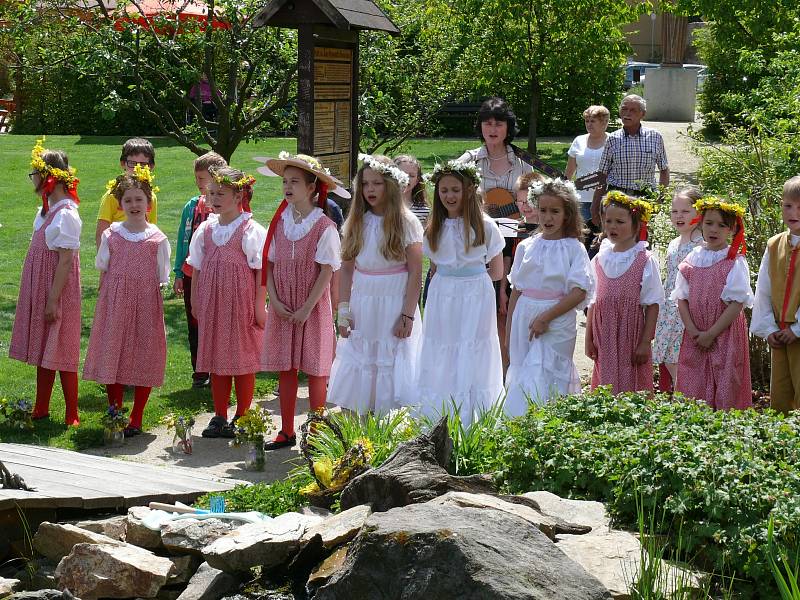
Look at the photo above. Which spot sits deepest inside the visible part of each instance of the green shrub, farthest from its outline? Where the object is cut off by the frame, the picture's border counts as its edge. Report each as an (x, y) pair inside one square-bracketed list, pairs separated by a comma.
[(722, 474), (272, 499)]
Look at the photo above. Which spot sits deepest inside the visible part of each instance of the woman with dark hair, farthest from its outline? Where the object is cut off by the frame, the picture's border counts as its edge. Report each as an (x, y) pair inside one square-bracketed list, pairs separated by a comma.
[(498, 162), (500, 166)]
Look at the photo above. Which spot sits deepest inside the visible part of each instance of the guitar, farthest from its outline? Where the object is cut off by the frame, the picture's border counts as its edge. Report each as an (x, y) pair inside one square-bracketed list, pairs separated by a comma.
[(500, 203)]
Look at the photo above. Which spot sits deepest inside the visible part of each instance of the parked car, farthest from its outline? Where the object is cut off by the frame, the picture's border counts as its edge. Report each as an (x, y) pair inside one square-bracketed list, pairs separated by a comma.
[(635, 72)]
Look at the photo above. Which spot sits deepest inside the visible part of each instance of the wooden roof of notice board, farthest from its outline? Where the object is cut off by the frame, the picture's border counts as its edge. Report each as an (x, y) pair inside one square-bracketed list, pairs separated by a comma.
[(342, 14)]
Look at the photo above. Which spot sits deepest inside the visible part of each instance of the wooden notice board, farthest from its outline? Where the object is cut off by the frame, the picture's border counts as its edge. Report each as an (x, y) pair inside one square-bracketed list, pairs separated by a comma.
[(333, 109)]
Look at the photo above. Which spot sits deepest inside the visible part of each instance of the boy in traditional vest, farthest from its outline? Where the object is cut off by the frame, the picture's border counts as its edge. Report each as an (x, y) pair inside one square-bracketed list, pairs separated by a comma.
[(776, 313)]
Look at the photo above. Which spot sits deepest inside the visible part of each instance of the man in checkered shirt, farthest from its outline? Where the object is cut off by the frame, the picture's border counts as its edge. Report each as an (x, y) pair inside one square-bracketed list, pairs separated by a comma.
[(631, 155)]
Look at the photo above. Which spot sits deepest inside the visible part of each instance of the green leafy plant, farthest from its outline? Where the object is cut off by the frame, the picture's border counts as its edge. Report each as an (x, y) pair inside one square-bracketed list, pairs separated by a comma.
[(785, 570), (115, 418), (272, 499), (722, 474), (252, 426), (17, 414)]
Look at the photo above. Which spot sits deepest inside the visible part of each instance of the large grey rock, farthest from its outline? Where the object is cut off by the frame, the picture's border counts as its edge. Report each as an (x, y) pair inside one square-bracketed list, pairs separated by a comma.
[(445, 552), (8, 586), (325, 570), (341, 528), (185, 568), (613, 556), (44, 595), (192, 535), (547, 525), (111, 571), (415, 472), (139, 535), (113, 527), (581, 512), (55, 540), (266, 544), (209, 583)]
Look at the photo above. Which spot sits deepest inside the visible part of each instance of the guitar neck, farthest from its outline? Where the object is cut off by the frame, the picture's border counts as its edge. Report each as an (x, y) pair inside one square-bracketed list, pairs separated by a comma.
[(501, 212), (537, 163)]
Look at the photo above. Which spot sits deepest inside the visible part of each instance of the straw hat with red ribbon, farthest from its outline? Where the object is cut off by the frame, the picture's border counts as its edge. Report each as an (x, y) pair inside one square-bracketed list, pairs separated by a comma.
[(274, 167), (52, 176), (641, 208), (738, 245)]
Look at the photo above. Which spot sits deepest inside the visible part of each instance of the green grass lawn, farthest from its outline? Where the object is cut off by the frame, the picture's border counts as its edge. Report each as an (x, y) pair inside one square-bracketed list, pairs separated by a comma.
[(97, 161)]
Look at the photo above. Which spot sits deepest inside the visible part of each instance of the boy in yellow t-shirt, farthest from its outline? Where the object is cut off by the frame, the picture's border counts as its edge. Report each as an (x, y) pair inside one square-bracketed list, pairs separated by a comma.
[(136, 151)]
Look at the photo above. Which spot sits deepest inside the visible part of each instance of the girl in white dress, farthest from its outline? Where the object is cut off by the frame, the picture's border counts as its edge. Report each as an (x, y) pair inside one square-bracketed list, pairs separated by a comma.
[(552, 280), (460, 360), (378, 317)]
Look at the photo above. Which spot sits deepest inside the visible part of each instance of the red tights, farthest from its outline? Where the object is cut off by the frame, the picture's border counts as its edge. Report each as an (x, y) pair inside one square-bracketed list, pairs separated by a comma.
[(221, 386), (317, 393), (45, 378), (116, 391)]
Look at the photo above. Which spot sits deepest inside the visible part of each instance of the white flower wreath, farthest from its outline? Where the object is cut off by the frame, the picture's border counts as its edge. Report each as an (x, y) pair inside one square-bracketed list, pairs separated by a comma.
[(313, 164), (537, 188), (467, 169), (400, 176)]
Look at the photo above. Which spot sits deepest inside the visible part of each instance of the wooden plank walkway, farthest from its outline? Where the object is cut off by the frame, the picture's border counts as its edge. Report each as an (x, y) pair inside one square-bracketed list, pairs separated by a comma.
[(67, 479)]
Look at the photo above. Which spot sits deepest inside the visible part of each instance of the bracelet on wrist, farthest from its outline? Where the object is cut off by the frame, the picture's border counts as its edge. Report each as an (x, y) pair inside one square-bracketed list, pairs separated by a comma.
[(406, 316)]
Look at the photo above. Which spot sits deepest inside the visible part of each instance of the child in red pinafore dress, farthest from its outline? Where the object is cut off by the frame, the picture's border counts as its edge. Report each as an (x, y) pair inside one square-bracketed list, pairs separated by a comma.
[(128, 344), (228, 303), (711, 289), (47, 324), (301, 253), (621, 321)]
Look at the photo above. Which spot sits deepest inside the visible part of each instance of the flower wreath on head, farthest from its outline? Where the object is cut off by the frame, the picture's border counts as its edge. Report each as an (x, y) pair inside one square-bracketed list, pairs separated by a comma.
[(537, 188), (738, 244), (641, 208), (52, 175), (400, 176), (244, 184), (312, 162), (468, 169)]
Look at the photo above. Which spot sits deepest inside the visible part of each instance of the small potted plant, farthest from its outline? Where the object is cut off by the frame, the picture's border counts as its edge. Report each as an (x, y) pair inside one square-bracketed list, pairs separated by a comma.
[(17, 414), (114, 423), (182, 425), (251, 428)]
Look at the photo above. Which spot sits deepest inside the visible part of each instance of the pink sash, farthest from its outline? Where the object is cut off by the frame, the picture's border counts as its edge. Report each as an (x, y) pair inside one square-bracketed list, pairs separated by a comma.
[(390, 271), (535, 294)]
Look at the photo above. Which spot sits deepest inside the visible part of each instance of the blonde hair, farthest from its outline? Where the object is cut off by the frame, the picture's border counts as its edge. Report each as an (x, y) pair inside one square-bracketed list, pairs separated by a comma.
[(791, 189), (691, 192), (394, 219), (596, 110), (525, 180), (472, 214), (208, 160)]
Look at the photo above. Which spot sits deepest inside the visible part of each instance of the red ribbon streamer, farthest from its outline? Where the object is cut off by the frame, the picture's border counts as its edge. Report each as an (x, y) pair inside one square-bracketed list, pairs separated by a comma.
[(738, 244)]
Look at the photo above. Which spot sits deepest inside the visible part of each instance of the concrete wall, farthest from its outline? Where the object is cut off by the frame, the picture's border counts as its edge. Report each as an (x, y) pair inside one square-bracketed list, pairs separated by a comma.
[(670, 94)]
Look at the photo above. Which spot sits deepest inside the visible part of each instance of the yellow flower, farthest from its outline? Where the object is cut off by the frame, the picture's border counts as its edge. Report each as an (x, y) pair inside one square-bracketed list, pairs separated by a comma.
[(37, 164), (714, 203), (323, 469), (310, 489), (636, 205)]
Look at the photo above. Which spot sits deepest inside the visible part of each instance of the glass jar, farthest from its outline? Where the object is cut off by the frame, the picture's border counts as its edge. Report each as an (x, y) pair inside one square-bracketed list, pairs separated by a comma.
[(254, 458), (113, 437), (182, 440)]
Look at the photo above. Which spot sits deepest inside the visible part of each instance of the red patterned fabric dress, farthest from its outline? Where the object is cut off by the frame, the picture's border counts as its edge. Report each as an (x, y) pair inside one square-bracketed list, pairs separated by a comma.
[(307, 347), (128, 342), (57, 345), (617, 323), (719, 375), (229, 339)]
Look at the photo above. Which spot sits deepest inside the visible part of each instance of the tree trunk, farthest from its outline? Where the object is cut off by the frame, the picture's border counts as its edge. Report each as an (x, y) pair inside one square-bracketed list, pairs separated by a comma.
[(533, 118)]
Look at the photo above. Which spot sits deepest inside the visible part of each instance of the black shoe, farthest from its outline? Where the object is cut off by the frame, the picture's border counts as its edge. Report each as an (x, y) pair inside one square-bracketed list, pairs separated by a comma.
[(200, 380), (229, 431), (40, 417), (215, 427), (130, 431), (281, 441)]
